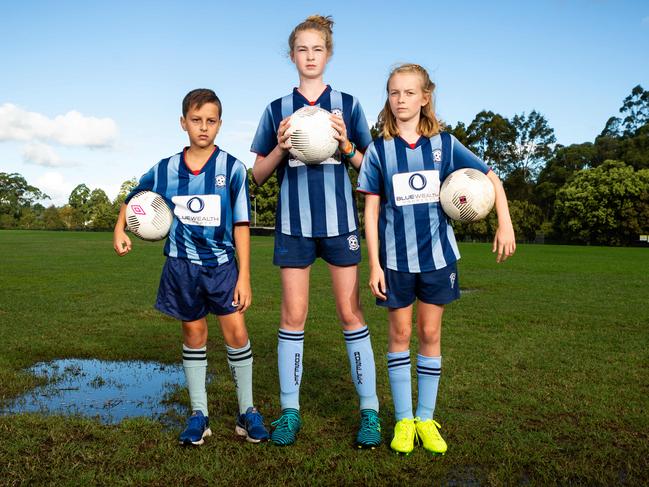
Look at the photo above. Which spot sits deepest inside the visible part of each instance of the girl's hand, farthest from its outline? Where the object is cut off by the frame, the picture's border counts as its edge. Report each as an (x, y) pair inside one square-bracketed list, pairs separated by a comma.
[(377, 283), (504, 243), (283, 139), (338, 123)]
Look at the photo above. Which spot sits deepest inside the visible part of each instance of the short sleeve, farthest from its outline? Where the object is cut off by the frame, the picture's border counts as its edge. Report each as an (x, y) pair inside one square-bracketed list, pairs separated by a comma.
[(360, 131), (370, 179), (464, 158), (239, 196), (265, 138), (145, 184)]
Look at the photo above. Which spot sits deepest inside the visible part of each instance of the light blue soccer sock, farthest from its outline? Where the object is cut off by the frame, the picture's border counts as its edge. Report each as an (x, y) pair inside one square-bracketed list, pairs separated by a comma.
[(429, 370), (361, 360), (400, 383), (195, 367), (240, 363), (290, 346)]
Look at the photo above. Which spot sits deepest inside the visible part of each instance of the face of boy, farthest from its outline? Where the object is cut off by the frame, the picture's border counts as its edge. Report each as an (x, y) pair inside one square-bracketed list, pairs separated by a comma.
[(406, 96), (202, 124), (310, 54)]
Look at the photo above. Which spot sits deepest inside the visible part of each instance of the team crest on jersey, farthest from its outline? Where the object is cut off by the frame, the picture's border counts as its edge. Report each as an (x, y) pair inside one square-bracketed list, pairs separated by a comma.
[(220, 181), (337, 112), (437, 155), (352, 240), (452, 279)]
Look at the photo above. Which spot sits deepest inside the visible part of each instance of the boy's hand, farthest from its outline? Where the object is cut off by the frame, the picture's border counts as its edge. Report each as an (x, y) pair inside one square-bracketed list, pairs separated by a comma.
[(121, 242), (504, 243), (338, 123), (283, 139), (242, 295), (377, 282)]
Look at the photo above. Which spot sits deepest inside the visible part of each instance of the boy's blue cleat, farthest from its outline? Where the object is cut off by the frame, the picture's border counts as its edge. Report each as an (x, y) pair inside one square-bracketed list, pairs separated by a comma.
[(286, 427), (369, 433), (198, 427), (251, 425)]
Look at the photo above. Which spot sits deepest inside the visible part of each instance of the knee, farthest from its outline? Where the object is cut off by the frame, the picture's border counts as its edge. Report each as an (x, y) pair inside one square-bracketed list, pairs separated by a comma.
[(293, 320), (400, 335), (238, 337), (429, 335), (194, 338)]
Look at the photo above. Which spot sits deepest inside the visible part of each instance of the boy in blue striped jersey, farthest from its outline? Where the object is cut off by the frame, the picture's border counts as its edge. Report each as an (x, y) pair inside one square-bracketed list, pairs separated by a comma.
[(207, 190), (417, 254), (316, 217)]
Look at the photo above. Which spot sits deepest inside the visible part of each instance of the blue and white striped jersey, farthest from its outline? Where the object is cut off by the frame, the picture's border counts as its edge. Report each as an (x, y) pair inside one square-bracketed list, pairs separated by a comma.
[(205, 206), (314, 200), (414, 232)]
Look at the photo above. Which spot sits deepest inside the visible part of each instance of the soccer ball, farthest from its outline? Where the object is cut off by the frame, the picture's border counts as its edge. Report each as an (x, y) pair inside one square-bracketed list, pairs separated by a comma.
[(312, 136), (467, 195), (148, 216)]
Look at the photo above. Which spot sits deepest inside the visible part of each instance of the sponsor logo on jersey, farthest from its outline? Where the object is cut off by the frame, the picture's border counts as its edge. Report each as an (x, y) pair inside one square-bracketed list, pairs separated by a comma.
[(220, 180), (352, 240), (413, 188), (200, 210)]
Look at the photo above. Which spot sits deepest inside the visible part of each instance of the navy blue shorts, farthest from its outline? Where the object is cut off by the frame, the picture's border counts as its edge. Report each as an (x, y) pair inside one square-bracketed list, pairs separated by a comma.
[(190, 292), (342, 250), (435, 287)]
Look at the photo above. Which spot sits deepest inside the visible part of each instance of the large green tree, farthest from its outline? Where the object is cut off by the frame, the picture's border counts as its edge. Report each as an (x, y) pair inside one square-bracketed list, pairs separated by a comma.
[(533, 145), (634, 115), (491, 136), (606, 205), (16, 195)]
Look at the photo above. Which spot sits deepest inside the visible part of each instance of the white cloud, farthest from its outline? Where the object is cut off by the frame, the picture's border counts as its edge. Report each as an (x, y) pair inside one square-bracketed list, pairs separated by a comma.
[(43, 155), (55, 186), (71, 129)]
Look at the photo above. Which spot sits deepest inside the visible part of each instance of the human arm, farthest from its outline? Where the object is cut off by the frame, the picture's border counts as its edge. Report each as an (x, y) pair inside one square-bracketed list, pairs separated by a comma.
[(504, 244), (242, 290), (265, 165), (344, 144), (377, 276), (121, 241)]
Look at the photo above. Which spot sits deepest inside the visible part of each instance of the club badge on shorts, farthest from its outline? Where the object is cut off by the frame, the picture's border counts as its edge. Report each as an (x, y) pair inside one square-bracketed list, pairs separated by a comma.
[(352, 240)]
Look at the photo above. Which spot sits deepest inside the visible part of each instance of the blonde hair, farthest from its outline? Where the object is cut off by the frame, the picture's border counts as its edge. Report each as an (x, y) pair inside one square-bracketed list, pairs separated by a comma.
[(322, 25), (428, 124)]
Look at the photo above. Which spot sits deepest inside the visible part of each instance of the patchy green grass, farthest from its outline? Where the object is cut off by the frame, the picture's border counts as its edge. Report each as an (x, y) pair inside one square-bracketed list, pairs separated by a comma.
[(545, 372)]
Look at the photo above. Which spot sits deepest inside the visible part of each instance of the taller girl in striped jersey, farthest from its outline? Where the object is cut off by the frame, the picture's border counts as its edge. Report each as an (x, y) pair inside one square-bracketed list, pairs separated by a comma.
[(417, 255), (316, 217)]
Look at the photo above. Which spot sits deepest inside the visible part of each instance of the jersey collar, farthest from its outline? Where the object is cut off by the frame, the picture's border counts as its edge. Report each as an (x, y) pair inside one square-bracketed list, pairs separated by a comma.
[(297, 93), (202, 169)]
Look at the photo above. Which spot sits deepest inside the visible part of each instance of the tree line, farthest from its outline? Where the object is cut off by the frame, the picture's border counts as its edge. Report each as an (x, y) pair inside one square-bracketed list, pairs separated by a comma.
[(590, 193)]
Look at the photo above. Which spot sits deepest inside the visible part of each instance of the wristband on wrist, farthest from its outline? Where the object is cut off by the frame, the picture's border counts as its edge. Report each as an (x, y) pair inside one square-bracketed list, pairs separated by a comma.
[(352, 152)]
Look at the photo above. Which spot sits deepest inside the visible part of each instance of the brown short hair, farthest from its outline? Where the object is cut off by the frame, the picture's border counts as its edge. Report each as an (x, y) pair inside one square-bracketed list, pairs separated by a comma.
[(199, 97)]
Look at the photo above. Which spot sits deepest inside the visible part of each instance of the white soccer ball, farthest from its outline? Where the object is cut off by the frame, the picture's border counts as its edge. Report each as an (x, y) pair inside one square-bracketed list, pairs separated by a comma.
[(148, 216), (467, 195), (312, 136)]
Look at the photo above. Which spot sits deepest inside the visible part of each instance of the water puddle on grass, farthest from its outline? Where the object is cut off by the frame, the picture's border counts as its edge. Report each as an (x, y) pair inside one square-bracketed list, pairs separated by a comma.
[(109, 391)]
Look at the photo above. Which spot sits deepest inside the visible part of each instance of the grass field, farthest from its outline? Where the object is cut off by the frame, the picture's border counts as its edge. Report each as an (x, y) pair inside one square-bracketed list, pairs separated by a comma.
[(545, 380)]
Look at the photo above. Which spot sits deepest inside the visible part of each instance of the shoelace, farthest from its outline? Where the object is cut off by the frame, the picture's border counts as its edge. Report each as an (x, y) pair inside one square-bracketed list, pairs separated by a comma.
[(286, 421), (369, 422), (255, 419), (430, 429)]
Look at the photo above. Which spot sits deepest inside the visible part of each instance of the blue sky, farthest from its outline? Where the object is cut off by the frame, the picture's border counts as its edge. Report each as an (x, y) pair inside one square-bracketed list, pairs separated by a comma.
[(90, 92)]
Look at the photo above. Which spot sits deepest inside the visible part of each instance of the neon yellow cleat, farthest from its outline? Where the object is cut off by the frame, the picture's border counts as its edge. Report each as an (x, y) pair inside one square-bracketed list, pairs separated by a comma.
[(404, 436), (430, 437)]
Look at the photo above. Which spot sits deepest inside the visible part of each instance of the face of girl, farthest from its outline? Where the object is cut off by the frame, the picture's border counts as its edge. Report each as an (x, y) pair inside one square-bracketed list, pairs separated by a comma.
[(406, 96), (310, 54)]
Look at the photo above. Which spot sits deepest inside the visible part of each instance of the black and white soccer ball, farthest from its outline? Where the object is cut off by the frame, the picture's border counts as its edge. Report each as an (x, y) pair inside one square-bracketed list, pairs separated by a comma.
[(467, 195), (148, 216), (311, 135)]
